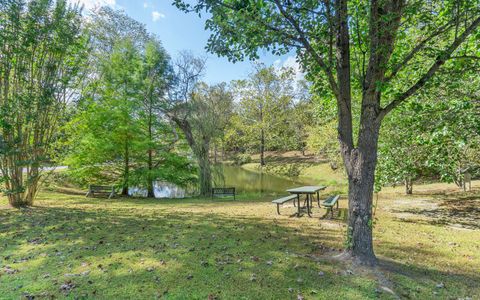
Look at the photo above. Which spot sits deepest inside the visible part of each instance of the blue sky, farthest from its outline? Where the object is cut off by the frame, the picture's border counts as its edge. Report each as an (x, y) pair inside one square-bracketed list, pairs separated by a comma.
[(179, 31)]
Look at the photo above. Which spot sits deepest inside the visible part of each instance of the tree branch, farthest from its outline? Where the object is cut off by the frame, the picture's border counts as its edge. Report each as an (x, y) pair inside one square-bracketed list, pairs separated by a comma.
[(441, 59), (465, 57), (398, 67), (303, 39)]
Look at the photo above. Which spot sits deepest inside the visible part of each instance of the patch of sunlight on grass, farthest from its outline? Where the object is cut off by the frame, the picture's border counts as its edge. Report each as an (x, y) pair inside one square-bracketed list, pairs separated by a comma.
[(71, 247)]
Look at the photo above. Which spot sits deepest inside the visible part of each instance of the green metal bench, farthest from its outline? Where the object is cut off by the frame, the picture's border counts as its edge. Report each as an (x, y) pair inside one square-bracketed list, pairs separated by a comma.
[(330, 202), (283, 200)]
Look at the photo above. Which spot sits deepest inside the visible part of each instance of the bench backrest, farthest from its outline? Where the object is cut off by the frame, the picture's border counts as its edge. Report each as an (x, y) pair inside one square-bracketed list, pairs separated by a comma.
[(99, 188), (229, 190)]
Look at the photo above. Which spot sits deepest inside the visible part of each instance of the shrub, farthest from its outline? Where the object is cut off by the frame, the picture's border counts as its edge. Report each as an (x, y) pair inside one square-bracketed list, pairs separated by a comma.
[(241, 159)]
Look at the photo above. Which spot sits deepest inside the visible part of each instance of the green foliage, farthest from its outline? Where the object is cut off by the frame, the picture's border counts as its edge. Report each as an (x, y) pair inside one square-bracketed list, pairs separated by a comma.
[(173, 168), (286, 169), (116, 135), (200, 111), (265, 117), (41, 51), (242, 158), (437, 135), (322, 140)]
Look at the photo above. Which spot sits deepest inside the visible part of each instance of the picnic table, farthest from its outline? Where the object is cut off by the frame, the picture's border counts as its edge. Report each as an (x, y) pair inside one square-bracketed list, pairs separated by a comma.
[(309, 192)]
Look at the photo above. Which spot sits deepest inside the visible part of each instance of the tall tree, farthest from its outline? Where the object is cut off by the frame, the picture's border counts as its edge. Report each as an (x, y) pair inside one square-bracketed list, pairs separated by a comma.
[(362, 49), (156, 74), (265, 107), (117, 135), (198, 110), (107, 129), (41, 47)]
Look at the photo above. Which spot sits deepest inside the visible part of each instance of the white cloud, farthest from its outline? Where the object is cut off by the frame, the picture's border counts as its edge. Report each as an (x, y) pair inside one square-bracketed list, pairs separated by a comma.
[(291, 62), (156, 16)]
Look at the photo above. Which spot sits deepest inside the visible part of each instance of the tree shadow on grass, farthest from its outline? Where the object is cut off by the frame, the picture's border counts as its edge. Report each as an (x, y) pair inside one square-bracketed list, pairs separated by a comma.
[(128, 253), (418, 282), (463, 211), (105, 250)]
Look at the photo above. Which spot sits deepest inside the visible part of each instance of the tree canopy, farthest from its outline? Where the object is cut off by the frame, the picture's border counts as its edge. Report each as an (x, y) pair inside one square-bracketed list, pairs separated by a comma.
[(377, 53)]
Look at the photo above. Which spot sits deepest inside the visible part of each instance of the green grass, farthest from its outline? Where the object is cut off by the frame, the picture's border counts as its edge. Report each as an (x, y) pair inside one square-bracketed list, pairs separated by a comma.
[(126, 249), (71, 247)]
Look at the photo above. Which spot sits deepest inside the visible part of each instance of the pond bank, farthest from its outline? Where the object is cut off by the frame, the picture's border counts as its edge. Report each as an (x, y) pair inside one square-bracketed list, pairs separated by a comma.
[(300, 168)]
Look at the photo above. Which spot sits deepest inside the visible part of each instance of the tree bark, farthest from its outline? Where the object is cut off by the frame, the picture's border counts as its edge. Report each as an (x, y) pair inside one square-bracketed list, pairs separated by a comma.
[(205, 169), (408, 186), (262, 148), (126, 170), (150, 189), (201, 151), (150, 179), (361, 179)]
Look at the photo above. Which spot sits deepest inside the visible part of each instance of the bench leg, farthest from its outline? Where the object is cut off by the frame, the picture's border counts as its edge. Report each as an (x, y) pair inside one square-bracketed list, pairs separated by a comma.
[(278, 208), (298, 203), (88, 194)]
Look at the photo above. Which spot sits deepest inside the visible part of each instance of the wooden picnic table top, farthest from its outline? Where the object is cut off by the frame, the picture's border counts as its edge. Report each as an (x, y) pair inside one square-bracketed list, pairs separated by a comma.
[(307, 189)]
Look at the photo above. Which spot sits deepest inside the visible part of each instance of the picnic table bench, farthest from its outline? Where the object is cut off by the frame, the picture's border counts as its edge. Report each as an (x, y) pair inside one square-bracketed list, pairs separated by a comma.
[(225, 191), (330, 202), (310, 192), (101, 189), (283, 200)]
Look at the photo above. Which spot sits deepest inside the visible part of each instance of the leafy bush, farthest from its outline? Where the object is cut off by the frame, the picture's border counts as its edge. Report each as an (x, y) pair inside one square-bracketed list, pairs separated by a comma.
[(287, 170), (241, 159)]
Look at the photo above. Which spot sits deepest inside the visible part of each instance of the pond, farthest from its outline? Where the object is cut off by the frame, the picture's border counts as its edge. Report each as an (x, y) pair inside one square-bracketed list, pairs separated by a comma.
[(254, 182), (244, 181)]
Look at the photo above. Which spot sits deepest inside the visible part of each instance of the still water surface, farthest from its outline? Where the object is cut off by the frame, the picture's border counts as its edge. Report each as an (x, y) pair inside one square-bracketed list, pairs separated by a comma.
[(250, 181), (244, 181)]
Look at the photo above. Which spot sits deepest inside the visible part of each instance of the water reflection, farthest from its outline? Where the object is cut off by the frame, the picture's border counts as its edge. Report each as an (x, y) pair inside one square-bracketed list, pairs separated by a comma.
[(249, 181), (244, 181), (161, 189)]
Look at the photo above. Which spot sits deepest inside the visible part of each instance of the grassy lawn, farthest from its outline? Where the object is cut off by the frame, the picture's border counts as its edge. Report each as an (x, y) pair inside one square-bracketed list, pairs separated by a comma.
[(70, 247)]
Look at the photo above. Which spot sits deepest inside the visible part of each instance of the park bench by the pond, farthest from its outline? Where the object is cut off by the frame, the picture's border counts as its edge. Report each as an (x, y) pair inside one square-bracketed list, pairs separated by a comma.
[(330, 202), (101, 189), (228, 191), (283, 200)]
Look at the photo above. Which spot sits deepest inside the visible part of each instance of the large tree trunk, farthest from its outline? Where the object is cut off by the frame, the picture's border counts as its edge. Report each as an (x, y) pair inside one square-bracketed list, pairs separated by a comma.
[(359, 161), (201, 150), (361, 179), (205, 169), (21, 191)]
